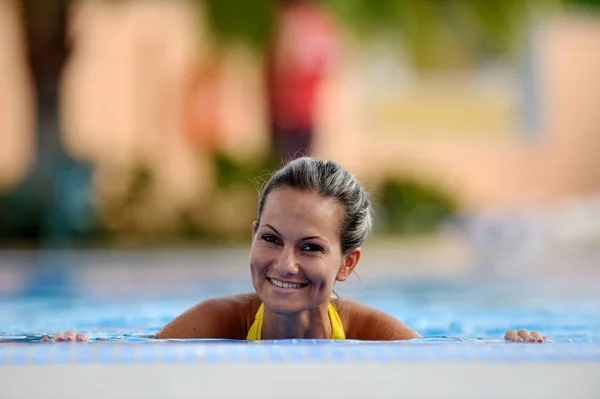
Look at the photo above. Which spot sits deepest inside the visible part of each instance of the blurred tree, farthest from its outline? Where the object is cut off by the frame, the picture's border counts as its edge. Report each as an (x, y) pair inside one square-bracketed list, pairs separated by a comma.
[(50, 206)]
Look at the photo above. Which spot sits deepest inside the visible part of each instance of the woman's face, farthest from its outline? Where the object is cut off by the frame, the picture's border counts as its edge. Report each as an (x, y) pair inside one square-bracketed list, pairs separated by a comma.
[(296, 252)]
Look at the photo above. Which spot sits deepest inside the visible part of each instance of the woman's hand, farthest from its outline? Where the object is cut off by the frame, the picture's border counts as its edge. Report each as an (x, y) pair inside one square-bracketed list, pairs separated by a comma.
[(67, 336), (525, 336)]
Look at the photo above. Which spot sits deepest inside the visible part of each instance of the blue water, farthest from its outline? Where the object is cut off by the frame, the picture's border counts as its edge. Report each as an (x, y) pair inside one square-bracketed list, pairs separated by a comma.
[(434, 310), (129, 303)]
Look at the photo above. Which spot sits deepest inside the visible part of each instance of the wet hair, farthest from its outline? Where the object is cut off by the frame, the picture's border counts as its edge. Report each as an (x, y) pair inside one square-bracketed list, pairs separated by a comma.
[(329, 180)]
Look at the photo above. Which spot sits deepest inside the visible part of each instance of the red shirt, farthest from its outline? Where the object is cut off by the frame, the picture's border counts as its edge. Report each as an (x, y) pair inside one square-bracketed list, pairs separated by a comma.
[(305, 47)]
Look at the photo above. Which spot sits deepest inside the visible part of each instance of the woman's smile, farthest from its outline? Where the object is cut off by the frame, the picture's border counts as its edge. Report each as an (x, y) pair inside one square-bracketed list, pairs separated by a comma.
[(288, 286)]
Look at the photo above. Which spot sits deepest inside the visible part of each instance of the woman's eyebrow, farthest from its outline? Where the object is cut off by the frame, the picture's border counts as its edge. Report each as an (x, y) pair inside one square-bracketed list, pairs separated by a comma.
[(273, 228), (313, 237)]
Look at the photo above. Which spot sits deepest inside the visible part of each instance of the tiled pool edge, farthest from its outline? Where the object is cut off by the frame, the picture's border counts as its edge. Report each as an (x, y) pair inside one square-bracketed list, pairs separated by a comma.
[(188, 353)]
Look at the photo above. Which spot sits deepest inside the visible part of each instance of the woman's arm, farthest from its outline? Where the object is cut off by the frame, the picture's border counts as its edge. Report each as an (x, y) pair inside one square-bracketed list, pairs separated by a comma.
[(224, 318), (367, 323)]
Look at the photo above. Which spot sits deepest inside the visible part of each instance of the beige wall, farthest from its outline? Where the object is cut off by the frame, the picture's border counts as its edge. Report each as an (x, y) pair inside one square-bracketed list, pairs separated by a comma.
[(463, 129)]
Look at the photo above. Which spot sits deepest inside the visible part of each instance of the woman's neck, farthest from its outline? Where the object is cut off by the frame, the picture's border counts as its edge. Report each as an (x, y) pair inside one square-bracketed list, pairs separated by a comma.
[(309, 324)]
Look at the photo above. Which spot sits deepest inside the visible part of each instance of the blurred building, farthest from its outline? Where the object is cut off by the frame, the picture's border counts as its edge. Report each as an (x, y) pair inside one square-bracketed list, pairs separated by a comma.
[(502, 136)]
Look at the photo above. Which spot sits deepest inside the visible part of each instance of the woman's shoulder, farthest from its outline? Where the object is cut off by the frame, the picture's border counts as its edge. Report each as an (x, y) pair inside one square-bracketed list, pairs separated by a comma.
[(364, 322), (220, 317), (236, 302)]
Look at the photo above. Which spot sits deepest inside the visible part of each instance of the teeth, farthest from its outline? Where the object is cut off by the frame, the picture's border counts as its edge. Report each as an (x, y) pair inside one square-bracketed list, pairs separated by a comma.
[(283, 284)]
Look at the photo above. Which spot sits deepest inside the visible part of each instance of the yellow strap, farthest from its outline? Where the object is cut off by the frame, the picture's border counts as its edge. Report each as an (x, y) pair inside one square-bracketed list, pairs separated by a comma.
[(337, 328), (256, 327)]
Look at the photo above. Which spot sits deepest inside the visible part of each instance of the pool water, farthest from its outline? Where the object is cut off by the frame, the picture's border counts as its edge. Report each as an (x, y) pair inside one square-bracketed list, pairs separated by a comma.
[(127, 300), (433, 309)]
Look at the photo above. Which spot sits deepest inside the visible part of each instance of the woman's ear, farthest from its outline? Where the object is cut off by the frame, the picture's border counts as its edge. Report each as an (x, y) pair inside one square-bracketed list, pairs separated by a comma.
[(254, 228), (350, 262)]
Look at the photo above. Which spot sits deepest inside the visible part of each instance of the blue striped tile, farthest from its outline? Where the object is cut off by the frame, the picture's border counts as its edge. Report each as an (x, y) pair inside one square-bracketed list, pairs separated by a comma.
[(294, 351)]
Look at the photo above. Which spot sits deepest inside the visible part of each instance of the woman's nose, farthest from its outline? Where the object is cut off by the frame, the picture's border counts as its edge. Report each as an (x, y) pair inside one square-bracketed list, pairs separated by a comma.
[(286, 264)]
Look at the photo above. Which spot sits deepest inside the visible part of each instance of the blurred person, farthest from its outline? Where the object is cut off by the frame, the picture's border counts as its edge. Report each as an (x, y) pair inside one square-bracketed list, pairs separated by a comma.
[(304, 48), (313, 218)]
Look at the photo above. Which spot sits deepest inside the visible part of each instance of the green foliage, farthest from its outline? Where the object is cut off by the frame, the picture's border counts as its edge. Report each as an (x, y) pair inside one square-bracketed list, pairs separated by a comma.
[(249, 21), (410, 206), (584, 5), (140, 187), (51, 207), (233, 173)]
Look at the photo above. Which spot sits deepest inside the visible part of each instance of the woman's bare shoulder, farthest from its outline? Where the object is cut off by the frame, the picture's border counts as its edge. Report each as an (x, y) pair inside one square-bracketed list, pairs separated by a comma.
[(227, 317), (364, 322)]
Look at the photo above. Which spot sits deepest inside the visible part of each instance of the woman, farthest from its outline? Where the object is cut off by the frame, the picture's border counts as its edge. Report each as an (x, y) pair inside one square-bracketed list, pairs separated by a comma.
[(313, 217)]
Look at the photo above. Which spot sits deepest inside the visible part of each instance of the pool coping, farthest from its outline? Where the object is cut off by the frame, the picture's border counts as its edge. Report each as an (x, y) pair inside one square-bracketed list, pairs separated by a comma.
[(294, 352)]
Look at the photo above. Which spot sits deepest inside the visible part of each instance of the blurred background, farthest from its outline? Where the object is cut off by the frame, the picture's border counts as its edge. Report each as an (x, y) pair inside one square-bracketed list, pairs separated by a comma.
[(152, 125)]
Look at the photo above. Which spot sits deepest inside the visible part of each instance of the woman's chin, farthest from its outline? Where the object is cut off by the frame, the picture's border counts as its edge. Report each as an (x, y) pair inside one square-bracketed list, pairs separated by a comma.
[(283, 311), (284, 306)]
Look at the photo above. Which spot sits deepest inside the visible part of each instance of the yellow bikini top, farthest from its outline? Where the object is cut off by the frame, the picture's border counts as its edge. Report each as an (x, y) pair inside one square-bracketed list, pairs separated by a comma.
[(337, 328)]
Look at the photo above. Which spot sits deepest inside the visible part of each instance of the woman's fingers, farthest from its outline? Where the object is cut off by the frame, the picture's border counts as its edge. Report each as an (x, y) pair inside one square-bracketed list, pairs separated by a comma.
[(81, 337), (537, 336), (512, 335), (58, 337), (68, 336), (526, 335)]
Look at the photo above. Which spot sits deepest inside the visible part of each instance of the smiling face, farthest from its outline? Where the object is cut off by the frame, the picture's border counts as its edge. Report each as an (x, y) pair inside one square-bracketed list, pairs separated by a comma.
[(296, 252)]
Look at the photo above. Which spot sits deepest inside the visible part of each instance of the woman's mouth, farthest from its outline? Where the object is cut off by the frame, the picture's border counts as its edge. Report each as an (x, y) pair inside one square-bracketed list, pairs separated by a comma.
[(286, 284)]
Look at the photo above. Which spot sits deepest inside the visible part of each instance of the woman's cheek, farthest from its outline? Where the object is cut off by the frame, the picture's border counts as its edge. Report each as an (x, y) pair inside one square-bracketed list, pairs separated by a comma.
[(316, 270), (260, 255)]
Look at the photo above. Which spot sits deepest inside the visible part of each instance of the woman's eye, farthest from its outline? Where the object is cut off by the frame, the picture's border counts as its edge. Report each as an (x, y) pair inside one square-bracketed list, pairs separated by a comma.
[(270, 238), (313, 248)]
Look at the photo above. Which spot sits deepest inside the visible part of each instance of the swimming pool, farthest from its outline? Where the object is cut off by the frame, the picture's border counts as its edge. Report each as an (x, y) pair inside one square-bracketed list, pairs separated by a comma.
[(121, 297)]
